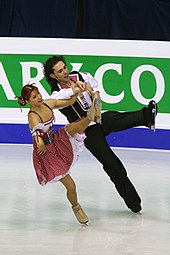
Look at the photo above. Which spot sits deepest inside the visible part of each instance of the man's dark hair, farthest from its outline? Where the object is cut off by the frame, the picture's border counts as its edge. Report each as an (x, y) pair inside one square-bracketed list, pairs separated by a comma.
[(48, 68)]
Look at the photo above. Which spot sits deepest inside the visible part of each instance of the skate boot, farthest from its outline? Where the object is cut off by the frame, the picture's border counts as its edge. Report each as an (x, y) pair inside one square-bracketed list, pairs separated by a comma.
[(153, 109), (98, 107), (136, 209), (80, 214), (151, 113)]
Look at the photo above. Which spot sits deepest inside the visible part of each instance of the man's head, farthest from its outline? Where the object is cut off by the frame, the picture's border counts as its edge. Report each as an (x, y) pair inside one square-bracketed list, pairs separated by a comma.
[(55, 69)]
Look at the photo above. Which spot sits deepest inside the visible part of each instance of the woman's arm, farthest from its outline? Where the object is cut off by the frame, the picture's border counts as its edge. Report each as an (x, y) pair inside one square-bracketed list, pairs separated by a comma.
[(62, 94), (33, 121), (41, 149), (61, 103)]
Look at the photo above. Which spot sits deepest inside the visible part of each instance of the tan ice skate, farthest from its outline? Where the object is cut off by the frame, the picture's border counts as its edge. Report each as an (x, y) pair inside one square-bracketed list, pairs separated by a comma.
[(80, 214), (94, 112), (98, 108)]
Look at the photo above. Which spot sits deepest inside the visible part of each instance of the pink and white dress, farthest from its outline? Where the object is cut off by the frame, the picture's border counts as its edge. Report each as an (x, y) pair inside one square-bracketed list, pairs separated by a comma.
[(62, 152)]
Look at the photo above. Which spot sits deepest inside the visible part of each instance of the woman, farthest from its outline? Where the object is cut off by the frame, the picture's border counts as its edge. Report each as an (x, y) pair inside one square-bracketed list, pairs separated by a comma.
[(55, 152)]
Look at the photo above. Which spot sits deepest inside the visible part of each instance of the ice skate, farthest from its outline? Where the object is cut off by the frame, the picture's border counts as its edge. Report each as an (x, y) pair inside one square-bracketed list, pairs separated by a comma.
[(136, 209), (80, 214), (153, 109), (98, 108)]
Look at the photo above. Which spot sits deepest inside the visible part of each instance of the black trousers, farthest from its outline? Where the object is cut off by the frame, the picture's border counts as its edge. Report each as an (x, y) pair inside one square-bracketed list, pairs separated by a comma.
[(96, 143)]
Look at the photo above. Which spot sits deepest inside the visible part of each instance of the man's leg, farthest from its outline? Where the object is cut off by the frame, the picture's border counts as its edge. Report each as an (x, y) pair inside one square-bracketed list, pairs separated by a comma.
[(97, 145), (113, 121)]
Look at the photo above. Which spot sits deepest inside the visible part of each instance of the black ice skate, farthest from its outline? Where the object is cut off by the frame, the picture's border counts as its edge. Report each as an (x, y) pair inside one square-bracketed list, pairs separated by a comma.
[(152, 107)]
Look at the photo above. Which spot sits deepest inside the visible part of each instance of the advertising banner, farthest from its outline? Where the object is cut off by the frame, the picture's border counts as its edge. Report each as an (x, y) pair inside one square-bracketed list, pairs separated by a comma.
[(129, 73)]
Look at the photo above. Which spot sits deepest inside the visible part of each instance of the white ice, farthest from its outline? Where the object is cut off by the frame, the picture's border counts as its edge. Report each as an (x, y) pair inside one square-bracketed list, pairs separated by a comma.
[(39, 220)]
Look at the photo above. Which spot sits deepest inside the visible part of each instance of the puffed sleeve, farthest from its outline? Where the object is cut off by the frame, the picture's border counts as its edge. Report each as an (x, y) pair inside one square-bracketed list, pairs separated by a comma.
[(62, 94), (90, 80)]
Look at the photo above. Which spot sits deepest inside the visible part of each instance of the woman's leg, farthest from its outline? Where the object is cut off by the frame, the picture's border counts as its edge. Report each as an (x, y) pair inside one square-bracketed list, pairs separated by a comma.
[(70, 186), (82, 124), (77, 127)]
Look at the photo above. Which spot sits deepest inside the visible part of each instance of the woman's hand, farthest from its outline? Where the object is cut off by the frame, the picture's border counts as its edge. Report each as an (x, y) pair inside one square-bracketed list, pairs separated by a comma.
[(81, 85), (84, 87), (89, 90), (41, 149), (76, 90)]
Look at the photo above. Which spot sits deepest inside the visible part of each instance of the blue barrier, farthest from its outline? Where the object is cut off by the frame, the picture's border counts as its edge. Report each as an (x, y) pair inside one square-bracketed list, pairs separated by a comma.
[(131, 138)]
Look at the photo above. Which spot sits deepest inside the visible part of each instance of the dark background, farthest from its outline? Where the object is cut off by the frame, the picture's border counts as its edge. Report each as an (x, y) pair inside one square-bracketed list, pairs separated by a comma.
[(92, 19), (97, 19)]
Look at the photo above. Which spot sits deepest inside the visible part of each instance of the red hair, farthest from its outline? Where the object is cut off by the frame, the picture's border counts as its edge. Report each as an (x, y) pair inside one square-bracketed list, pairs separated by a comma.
[(25, 93)]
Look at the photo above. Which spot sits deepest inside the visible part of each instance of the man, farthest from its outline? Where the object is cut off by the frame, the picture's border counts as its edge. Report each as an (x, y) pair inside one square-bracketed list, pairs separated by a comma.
[(61, 83)]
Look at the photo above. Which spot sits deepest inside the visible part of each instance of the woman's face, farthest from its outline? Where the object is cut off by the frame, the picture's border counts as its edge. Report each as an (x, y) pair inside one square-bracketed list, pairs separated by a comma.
[(35, 98)]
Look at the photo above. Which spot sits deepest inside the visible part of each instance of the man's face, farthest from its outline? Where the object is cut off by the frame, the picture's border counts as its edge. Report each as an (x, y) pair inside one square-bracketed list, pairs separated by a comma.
[(60, 72)]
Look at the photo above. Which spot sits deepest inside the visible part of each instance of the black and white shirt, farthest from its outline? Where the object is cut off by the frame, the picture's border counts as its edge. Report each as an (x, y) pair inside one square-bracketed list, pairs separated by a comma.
[(83, 102)]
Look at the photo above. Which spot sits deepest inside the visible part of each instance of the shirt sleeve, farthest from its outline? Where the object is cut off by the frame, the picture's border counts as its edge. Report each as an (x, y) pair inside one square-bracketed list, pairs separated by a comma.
[(62, 94), (90, 80)]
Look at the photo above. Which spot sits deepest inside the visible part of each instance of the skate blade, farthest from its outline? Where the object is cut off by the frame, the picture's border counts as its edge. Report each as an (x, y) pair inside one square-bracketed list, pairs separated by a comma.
[(138, 214), (97, 119), (153, 128), (84, 224), (154, 113)]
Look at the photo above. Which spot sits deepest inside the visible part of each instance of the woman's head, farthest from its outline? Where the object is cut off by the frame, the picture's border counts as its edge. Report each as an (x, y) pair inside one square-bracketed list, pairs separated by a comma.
[(26, 93)]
